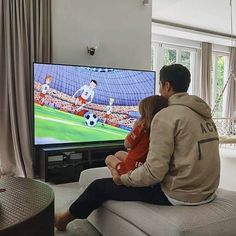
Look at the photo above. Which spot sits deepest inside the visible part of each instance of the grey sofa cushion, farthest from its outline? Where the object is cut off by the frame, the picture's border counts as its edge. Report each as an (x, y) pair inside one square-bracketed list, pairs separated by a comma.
[(215, 218)]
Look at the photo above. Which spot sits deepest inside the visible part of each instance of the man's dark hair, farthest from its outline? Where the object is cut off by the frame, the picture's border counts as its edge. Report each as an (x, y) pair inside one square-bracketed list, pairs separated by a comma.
[(177, 75)]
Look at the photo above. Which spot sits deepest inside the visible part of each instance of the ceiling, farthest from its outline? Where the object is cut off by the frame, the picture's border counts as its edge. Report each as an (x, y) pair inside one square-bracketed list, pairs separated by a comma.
[(209, 15)]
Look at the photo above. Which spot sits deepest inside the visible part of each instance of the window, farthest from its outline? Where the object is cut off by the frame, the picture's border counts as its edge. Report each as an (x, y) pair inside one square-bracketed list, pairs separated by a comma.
[(218, 80), (165, 54), (153, 58), (169, 56), (185, 59)]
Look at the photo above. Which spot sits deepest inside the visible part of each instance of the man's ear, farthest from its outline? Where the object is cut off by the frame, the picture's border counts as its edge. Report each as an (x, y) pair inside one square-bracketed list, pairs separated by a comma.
[(168, 86)]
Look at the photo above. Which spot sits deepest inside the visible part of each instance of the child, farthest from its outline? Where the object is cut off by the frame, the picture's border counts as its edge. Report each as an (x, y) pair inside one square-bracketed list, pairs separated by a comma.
[(137, 141)]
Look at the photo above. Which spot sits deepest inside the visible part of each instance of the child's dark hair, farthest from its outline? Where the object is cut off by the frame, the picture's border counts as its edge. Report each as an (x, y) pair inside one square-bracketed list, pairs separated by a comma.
[(149, 106), (177, 75)]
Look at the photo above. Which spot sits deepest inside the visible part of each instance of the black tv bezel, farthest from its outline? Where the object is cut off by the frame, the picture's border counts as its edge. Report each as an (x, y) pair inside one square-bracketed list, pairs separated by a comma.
[(75, 144)]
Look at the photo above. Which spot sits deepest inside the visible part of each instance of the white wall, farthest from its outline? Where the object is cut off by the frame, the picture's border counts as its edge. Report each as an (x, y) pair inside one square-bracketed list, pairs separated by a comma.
[(122, 28)]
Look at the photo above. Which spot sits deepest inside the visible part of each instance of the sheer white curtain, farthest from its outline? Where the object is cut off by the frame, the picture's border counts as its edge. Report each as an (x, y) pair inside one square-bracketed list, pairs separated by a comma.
[(231, 87), (205, 78), (25, 37)]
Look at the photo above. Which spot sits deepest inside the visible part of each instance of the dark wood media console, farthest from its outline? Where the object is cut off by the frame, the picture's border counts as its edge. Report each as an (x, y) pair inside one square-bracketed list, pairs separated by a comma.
[(61, 164)]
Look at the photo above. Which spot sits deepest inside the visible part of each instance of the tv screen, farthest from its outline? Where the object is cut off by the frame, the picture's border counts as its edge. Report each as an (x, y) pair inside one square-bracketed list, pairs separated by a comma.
[(75, 104)]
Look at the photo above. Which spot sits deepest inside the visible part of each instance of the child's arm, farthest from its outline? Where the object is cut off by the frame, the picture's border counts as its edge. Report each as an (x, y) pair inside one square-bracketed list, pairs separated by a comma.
[(127, 144), (133, 137)]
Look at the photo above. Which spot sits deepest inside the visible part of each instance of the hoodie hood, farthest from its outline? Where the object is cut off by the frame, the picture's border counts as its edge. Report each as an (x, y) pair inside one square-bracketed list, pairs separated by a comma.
[(193, 102)]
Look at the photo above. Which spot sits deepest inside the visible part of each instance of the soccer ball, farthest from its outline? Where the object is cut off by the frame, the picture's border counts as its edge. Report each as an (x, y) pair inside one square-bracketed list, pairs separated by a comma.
[(90, 119)]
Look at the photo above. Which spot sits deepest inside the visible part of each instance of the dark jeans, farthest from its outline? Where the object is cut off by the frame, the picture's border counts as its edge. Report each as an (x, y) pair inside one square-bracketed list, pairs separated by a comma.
[(105, 189)]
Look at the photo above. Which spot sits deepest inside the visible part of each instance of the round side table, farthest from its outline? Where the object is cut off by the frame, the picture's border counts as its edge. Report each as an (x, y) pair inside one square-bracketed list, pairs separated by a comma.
[(26, 207)]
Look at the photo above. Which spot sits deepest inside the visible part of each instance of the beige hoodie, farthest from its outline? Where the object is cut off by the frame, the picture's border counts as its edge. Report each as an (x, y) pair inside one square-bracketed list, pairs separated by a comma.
[(183, 152)]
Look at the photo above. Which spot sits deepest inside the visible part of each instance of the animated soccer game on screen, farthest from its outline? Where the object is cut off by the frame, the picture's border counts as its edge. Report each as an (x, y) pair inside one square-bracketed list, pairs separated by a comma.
[(75, 104)]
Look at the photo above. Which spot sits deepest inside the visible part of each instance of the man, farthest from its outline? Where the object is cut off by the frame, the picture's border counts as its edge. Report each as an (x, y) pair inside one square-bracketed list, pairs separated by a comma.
[(182, 165), (183, 153)]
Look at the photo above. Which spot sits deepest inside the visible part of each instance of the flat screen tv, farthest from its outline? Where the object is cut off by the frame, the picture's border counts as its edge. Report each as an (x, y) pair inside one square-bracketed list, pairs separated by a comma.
[(77, 104)]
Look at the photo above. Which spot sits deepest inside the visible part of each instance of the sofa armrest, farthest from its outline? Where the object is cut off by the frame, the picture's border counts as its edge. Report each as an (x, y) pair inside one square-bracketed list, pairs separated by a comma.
[(89, 175)]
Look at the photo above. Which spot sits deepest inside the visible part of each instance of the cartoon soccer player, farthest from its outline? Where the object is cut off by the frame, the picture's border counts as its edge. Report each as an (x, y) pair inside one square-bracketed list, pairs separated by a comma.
[(88, 91), (44, 88), (108, 111)]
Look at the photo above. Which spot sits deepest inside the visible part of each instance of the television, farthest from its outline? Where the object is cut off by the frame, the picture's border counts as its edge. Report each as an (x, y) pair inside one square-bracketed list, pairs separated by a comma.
[(83, 104)]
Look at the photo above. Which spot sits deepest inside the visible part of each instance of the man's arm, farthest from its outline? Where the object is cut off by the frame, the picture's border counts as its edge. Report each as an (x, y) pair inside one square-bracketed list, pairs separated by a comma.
[(160, 151)]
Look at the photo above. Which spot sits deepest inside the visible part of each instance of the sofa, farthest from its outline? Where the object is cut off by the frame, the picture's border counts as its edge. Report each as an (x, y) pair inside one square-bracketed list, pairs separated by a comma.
[(115, 218)]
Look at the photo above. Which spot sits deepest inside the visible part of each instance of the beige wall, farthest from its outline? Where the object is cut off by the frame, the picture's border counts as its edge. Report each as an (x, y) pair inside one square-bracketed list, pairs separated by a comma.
[(121, 27)]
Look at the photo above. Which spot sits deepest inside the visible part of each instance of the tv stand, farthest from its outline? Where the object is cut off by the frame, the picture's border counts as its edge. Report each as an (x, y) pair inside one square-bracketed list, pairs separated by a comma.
[(61, 164)]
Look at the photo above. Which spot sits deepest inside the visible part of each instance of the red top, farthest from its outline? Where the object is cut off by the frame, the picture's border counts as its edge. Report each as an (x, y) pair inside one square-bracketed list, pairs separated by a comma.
[(139, 139)]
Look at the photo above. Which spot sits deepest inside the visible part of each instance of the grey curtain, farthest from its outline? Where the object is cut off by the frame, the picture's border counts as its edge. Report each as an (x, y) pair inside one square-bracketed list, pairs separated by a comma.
[(25, 36), (231, 87), (205, 78)]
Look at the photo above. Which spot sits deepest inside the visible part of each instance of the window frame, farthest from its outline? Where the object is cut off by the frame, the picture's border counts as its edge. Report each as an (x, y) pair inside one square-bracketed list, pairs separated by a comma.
[(158, 60), (215, 55)]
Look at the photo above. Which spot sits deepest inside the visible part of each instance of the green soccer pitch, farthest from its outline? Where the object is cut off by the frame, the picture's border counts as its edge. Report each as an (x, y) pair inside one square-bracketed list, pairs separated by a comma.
[(55, 126)]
